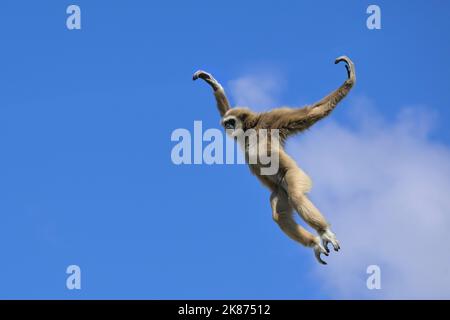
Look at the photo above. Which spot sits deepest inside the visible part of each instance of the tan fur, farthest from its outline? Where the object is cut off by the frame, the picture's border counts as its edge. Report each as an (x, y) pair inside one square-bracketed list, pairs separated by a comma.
[(290, 184)]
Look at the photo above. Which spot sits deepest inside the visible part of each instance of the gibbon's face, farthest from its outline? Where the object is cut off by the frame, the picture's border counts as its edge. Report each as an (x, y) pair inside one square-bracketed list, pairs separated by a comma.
[(237, 120), (233, 125)]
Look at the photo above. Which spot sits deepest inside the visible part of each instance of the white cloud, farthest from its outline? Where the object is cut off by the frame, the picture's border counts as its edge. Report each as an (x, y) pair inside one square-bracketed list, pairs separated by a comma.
[(258, 91), (385, 187)]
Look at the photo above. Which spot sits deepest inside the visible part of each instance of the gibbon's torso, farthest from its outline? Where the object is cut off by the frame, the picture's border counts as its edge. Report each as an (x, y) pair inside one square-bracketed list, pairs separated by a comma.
[(259, 143), (284, 163)]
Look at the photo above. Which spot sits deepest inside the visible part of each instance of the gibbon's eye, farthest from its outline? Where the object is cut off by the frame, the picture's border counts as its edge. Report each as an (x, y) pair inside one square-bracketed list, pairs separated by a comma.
[(230, 124)]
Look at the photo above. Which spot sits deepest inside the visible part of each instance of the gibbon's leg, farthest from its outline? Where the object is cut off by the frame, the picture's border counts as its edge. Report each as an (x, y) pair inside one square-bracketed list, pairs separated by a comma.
[(222, 102), (294, 186), (282, 214)]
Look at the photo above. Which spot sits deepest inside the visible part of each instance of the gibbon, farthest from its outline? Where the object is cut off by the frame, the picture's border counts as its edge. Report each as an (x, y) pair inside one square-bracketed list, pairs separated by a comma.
[(290, 185)]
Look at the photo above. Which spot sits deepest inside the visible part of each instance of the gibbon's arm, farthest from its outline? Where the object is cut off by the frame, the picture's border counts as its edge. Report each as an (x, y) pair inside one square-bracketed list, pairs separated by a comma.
[(222, 102), (296, 120)]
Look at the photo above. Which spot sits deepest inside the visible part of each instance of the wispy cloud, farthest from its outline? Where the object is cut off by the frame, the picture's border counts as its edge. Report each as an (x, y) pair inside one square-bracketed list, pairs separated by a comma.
[(385, 188), (256, 90)]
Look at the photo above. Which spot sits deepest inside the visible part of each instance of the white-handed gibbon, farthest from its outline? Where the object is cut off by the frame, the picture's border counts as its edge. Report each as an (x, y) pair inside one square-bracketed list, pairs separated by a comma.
[(290, 184)]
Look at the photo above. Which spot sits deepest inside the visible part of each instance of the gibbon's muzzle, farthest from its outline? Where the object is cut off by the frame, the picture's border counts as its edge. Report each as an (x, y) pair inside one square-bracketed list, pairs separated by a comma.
[(230, 124)]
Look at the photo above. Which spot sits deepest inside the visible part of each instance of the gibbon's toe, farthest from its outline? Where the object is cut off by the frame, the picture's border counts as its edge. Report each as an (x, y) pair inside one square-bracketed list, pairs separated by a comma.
[(325, 245), (318, 250), (317, 254), (329, 237)]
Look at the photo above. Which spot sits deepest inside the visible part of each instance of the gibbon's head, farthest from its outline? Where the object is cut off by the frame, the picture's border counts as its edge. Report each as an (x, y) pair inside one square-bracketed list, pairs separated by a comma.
[(237, 120)]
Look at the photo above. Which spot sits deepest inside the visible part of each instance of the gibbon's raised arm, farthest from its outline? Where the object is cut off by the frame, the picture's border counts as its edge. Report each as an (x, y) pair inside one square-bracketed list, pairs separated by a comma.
[(301, 119), (222, 102)]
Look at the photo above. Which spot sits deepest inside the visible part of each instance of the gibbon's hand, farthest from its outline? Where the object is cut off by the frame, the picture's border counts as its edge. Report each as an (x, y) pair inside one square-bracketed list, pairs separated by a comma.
[(348, 65), (208, 78)]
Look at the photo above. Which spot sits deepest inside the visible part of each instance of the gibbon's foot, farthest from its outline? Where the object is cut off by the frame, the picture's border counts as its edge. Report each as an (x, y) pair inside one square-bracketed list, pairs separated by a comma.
[(329, 237), (348, 65), (319, 249), (208, 78)]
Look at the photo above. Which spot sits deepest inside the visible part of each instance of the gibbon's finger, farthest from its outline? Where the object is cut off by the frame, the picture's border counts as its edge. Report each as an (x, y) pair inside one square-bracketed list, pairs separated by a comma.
[(349, 66), (343, 58), (348, 70), (201, 74)]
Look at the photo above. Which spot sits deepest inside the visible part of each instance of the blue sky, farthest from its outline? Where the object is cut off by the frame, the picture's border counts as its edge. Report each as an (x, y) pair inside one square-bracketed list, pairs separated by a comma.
[(86, 117)]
